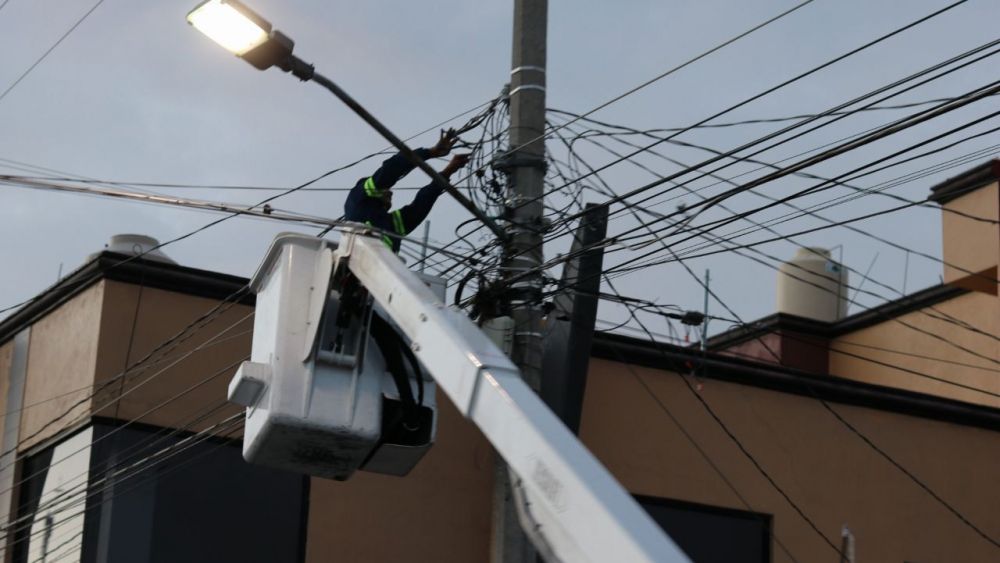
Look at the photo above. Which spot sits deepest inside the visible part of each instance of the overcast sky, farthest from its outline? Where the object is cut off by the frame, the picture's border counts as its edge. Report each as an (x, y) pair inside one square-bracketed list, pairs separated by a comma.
[(135, 95)]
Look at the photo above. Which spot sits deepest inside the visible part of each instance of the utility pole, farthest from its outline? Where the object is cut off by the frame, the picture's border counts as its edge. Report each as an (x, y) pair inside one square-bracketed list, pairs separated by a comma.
[(525, 164)]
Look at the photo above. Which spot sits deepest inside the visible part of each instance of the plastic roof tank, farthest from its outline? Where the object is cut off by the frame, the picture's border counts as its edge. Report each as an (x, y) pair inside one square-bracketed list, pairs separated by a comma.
[(813, 285)]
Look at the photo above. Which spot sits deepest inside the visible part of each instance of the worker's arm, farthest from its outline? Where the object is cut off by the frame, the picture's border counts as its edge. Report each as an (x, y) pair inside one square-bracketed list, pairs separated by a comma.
[(397, 166), (406, 218)]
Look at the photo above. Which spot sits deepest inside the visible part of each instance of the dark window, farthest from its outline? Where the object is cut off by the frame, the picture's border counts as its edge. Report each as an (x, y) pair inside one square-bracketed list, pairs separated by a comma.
[(51, 502), (710, 534), (200, 503)]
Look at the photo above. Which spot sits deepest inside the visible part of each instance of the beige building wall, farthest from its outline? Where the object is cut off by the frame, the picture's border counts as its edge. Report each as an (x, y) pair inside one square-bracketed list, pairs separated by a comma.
[(970, 244), (62, 355), (833, 476), (181, 381), (440, 512), (931, 346)]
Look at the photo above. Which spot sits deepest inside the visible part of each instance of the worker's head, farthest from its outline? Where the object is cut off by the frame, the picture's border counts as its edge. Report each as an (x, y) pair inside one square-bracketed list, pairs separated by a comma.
[(386, 198)]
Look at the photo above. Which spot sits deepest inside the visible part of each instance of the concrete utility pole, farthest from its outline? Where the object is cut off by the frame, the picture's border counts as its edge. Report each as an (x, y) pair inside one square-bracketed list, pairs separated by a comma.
[(526, 166)]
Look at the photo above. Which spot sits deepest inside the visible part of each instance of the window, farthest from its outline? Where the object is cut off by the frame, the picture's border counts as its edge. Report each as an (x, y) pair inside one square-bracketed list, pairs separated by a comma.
[(50, 524), (200, 503), (710, 534)]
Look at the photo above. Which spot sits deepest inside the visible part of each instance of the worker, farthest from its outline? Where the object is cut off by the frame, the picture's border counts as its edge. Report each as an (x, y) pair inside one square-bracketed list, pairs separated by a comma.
[(370, 200)]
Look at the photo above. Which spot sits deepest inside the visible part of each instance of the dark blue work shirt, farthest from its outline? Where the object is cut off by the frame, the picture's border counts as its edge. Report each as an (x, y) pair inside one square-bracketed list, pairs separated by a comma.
[(364, 202)]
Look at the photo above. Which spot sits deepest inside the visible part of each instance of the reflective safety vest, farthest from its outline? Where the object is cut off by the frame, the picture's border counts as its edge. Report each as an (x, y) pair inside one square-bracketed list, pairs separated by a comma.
[(366, 201)]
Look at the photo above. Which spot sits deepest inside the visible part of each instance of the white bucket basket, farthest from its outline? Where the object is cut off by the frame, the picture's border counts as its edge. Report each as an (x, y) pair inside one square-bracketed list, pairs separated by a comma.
[(315, 388)]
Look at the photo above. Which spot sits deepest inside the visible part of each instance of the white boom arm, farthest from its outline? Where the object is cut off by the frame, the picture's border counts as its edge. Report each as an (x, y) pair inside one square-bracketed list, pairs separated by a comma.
[(582, 512)]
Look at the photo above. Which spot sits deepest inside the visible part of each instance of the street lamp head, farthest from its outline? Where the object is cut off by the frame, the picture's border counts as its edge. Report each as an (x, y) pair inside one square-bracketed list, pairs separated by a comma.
[(241, 31)]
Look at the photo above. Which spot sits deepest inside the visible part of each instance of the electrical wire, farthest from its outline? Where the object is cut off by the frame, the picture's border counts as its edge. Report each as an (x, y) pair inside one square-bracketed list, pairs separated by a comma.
[(854, 430), (835, 109), (50, 49), (259, 204), (681, 66), (86, 415), (632, 209), (796, 79), (856, 172), (886, 286)]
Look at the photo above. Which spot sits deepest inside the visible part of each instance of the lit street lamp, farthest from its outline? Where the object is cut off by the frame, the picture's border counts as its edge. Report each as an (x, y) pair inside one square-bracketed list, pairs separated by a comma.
[(243, 32)]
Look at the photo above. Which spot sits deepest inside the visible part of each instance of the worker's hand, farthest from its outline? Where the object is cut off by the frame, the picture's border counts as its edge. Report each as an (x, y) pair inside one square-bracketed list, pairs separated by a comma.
[(457, 163), (444, 144)]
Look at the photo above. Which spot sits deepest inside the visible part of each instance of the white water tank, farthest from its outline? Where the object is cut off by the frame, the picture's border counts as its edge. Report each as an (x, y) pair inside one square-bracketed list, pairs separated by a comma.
[(812, 285), (133, 244)]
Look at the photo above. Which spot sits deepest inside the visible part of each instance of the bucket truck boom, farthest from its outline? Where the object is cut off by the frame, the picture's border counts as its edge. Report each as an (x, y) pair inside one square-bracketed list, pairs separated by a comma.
[(579, 511)]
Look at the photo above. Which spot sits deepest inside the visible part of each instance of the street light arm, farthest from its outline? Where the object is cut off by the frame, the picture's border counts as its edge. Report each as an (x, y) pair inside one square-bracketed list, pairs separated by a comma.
[(305, 71)]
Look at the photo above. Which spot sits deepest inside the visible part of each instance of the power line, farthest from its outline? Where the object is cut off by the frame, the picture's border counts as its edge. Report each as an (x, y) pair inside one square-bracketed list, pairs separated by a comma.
[(651, 213), (15, 525), (738, 443), (259, 204), (650, 133), (853, 429), (122, 474), (892, 128), (172, 342), (632, 210), (128, 423), (679, 67), (882, 132), (686, 251), (50, 49), (804, 211), (119, 398), (690, 438), (790, 128), (205, 205), (757, 121), (791, 81), (871, 444)]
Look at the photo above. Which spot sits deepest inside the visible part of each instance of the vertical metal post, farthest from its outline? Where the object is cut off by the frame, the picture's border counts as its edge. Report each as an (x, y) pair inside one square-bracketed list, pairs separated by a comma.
[(526, 166), (568, 342), (704, 323), (423, 250)]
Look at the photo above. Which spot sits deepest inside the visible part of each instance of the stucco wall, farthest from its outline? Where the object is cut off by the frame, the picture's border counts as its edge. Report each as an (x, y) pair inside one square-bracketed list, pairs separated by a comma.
[(180, 382), (830, 473), (970, 244), (934, 352), (61, 359), (440, 512)]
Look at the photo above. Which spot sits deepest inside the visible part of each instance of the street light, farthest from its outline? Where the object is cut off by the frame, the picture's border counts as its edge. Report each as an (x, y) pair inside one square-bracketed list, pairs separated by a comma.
[(240, 30), (244, 33)]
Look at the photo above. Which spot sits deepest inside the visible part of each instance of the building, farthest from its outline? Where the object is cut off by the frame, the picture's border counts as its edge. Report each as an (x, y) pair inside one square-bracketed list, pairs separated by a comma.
[(772, 445)]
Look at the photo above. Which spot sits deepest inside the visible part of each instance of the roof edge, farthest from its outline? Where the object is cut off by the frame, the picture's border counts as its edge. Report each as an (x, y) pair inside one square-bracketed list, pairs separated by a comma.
[(668, 357), (970, 180), (887, 311), (128, 269)]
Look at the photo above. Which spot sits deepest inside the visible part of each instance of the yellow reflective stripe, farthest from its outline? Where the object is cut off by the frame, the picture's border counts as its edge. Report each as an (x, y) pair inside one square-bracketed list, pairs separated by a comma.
[(386, 239), (370, 189), (397, 220)]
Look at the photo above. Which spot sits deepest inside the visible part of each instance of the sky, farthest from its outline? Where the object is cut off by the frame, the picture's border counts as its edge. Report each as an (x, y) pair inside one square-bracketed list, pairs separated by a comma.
[(134, 94)]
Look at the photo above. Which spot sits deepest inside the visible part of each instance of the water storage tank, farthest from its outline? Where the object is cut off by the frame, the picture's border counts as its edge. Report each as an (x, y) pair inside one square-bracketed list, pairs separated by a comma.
[(812, 285), (132, 244)]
